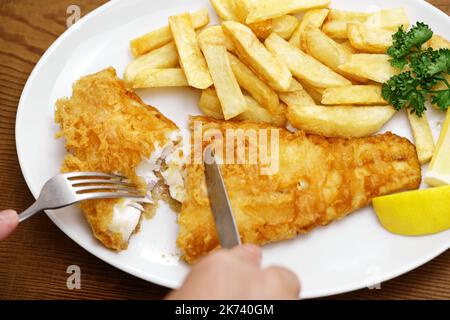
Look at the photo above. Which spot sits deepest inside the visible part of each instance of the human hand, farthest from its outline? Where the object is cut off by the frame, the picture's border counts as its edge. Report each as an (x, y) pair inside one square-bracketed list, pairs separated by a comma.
[(237, 274), (8, 222)]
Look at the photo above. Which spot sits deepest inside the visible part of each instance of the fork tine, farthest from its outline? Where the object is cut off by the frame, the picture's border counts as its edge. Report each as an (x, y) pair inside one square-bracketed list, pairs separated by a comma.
[(109, 195), (87, 189), (136, 205), (80, 175), (85, 182), (69, 188)]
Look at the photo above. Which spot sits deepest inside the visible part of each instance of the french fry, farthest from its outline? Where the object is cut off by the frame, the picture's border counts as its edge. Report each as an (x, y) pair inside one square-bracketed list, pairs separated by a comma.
[(255, 112), (215, 35), (225, 83), (328, 51), (268, 9), (336, 29), (375, 67), (368, 39), (423, 138), (356, 94), (280, 118), (164, 57), (336, 26), (261, 29), (344, 15), (191, 59), (315, 18), (210, 104), (304, 66), (437, 42), (347, 45), (313, 92), (241, 9), (159, 37), (224, 10), (295, 86), (339, 121), (389, 19), (258, 89), (284, 26), (153, 78), (253, 53), (297, 96)]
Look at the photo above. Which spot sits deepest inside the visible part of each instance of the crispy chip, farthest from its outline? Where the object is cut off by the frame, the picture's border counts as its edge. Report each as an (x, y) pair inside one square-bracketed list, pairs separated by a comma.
[(164, 57), (285, 26), (315, 18), (224, 10), (423, 139), (191, 59), (297, 96), (153, 78), (253, 53), (257, 88), (367, 39), (375, 67), (227, 87), (339, 121), (356, 94), (304, 66), (241, 9), (159, 37), (336, 26), (328, 51), (210, 104), (268, 9), (215, 35)]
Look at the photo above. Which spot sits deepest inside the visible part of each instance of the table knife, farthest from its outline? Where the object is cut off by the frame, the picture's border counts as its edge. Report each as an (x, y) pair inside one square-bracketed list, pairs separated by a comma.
[(220, 203)]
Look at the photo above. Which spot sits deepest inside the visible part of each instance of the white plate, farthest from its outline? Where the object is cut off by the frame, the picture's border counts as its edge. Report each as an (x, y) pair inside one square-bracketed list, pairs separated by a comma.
[(349, 254)]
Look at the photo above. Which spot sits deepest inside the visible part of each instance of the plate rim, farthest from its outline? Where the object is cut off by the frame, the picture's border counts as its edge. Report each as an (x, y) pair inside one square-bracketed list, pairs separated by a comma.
[(152, 277)]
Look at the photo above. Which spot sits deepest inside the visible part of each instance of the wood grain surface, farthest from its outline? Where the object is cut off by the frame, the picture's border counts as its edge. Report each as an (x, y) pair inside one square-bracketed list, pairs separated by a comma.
[(33, 261)]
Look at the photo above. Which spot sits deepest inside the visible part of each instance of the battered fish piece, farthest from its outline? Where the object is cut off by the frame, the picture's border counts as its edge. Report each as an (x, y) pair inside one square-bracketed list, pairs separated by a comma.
[(319, 180), (108, 128)]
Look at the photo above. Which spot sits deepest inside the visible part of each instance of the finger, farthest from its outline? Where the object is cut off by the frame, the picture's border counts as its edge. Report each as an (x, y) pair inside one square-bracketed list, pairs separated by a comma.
[(249, 252), (8, 222), (284, 281)]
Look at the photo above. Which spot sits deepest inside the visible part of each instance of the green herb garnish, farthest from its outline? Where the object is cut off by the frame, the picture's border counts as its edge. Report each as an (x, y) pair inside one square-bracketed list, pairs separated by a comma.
[(425, 69)]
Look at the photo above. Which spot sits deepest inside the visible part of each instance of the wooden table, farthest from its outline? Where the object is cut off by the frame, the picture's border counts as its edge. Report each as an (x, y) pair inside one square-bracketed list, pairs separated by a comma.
[(33, 261)]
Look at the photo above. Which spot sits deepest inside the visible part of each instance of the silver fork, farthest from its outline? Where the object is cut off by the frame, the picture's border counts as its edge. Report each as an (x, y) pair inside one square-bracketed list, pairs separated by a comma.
[(69, 188)]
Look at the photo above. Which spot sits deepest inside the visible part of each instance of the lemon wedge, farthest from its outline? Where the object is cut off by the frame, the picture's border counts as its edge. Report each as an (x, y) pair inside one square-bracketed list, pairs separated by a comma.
[(416, 212), (439, 170)]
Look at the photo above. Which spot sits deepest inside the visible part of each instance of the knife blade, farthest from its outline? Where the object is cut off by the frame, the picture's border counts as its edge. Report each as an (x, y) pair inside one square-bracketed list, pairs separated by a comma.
[(220, 204)]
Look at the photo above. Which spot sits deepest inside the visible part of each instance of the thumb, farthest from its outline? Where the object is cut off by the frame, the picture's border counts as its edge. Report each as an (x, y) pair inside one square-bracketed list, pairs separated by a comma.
[(8, 222)]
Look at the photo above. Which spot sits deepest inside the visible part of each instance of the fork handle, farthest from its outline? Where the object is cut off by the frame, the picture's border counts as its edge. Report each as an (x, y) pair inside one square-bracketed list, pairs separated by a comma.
[(31, 211)]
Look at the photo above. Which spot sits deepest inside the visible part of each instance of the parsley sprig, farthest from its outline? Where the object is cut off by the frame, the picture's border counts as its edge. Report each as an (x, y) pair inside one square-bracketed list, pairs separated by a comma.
[(424, 69)]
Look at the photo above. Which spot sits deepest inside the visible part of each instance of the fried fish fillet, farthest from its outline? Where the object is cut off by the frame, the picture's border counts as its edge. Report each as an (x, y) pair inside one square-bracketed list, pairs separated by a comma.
[(108, 128), (319, 180)]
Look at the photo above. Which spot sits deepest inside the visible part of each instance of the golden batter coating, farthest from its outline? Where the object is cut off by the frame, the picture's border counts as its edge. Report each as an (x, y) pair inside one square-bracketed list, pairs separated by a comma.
[(108, 128), (319, 180)]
